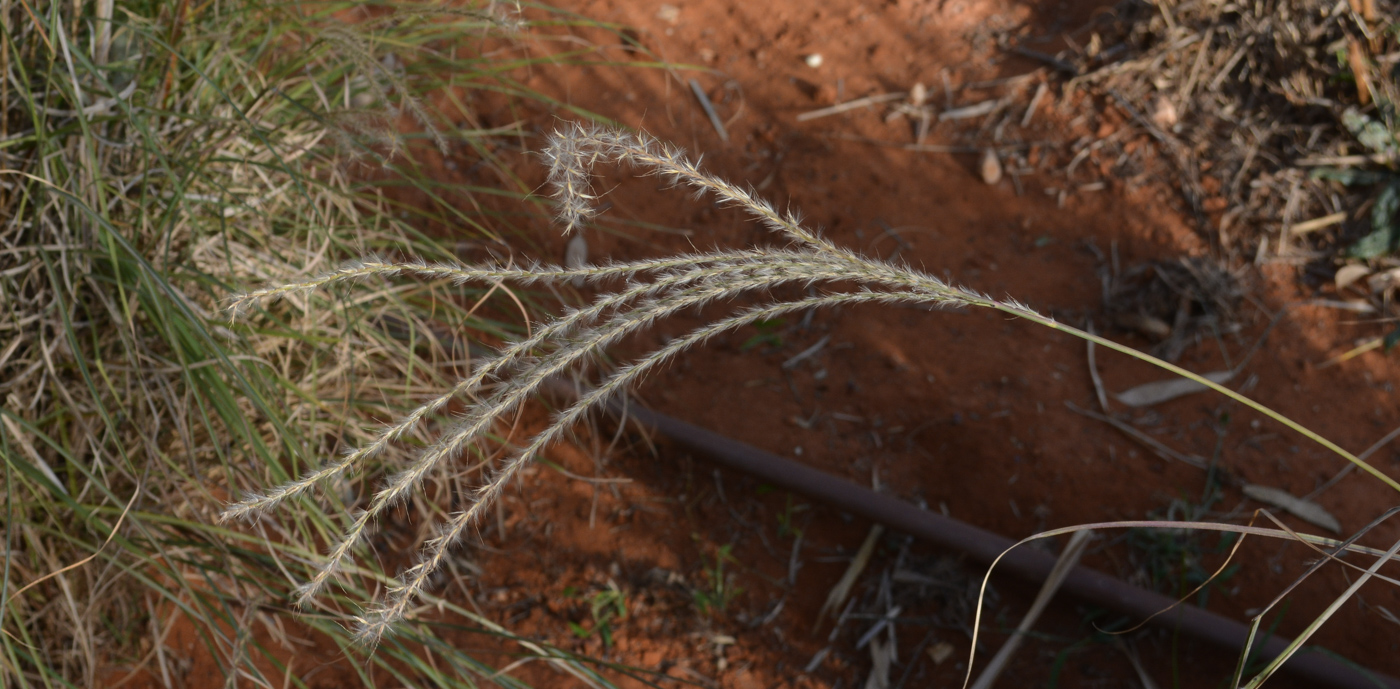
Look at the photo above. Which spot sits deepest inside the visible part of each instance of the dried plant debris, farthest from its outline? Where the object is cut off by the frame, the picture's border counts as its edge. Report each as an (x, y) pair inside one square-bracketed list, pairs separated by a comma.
[(932, 596), (1175, 302), (1249, 100)]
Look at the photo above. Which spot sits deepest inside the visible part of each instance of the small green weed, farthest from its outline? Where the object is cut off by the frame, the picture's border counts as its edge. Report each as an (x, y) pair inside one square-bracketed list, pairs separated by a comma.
[(720, 590), (786, 517), (1104, 632), (1173, 559), (606, 608), (767, 334)]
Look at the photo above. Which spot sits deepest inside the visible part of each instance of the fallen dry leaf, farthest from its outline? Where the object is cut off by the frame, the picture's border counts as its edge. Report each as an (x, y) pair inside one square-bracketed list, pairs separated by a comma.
[(1305, 510), (1154, 328), (940, 652), (1148, 394), (1349, 274)]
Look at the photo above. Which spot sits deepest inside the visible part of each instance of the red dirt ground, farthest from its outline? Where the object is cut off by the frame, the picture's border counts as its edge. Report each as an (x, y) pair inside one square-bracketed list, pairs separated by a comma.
[(962, 411)]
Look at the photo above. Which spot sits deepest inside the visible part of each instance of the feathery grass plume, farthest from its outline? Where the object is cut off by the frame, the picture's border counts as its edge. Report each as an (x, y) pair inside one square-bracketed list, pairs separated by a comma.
[(731, 262), (652, 290), (526, 383)]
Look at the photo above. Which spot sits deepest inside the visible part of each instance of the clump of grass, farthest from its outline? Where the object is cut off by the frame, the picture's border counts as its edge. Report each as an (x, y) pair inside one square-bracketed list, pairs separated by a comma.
[(633, 296), (157, 156)]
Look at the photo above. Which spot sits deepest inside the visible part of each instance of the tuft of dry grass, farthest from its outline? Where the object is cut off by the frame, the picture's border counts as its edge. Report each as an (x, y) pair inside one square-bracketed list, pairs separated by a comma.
[(153, 158)]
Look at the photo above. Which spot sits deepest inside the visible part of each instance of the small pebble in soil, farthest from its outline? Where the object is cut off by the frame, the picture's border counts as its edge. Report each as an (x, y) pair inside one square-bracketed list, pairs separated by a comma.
[(814, 60), (990, 167), (1164, 113), (918, 95)]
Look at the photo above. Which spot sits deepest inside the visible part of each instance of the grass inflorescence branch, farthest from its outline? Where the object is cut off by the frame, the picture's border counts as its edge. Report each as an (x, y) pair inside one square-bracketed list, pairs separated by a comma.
[(651, 290)]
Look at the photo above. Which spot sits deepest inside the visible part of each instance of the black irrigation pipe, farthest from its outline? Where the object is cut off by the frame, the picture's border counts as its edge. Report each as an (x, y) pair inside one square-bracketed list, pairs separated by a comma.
[(1030, 564)]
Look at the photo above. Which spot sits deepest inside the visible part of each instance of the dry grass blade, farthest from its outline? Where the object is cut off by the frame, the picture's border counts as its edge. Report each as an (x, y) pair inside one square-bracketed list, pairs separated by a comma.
[(1069, 559), (838, 593), (1316, 543), (1297, 644)]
